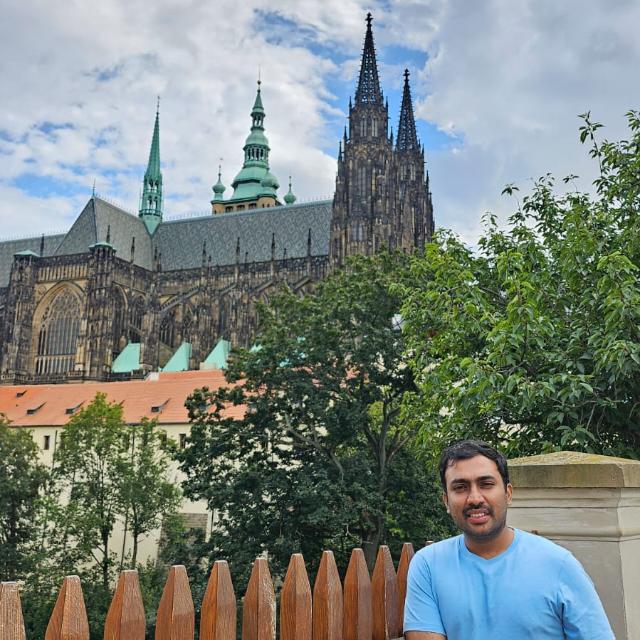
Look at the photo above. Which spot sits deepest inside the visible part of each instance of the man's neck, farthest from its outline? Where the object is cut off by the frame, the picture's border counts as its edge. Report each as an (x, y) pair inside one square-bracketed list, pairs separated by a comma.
[(492, 547)]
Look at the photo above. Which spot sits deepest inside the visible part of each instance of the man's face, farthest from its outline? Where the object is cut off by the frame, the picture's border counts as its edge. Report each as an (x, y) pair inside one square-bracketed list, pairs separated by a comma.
[(476, 497)]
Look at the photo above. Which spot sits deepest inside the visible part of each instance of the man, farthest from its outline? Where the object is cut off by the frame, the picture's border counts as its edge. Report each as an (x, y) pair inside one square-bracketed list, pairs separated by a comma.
[(494, 582)]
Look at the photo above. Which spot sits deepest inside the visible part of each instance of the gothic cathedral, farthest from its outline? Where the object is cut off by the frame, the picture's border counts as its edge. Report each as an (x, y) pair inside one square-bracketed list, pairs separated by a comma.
[(120, 295)]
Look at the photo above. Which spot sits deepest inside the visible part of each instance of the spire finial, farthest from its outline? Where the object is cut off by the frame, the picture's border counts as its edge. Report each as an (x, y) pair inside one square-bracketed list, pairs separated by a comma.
[(93, 190), (158, 106), (368, 90), (407, 135)]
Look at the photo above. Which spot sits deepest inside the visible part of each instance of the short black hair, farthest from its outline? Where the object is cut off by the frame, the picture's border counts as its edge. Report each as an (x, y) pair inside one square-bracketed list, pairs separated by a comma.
[(465, 449)]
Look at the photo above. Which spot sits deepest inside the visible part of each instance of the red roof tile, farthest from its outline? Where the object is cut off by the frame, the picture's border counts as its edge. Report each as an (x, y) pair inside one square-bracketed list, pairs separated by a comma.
[(47, 405)]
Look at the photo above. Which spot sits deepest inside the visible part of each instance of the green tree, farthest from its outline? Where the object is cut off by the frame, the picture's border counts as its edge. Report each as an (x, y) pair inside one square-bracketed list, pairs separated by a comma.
[(317, 458), (22, 478), (532, 339), (146, 495), (89, 464)]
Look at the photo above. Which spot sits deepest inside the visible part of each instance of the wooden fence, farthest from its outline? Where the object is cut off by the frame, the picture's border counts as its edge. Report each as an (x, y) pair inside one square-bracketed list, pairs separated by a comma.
[(364, 609)]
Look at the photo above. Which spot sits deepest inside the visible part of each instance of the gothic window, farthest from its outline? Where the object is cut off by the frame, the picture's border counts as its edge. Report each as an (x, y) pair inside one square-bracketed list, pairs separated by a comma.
[(363, 128), (187, 326), (135, 320), (58, 335), (119, 321), (362, 181), (168, 330), (374, 128)]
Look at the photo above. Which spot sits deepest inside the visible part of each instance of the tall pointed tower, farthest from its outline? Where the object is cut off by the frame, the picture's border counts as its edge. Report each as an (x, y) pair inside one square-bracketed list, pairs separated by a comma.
[(361, 215), (151, 201), (255, 186), (381, 200), (414, 219)]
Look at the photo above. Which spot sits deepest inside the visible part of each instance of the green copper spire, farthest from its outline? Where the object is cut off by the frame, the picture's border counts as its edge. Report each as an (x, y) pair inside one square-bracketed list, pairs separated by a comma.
[(151, 201), (255, 179), (290, 198)]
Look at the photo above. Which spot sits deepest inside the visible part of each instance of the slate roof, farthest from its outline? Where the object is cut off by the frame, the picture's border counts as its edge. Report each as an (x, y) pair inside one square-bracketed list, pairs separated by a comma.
[(10, 247), (180, 241), (92, 225)]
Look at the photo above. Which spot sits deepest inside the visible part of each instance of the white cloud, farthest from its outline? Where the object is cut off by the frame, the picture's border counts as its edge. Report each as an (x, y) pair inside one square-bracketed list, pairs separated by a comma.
[(506, 78)]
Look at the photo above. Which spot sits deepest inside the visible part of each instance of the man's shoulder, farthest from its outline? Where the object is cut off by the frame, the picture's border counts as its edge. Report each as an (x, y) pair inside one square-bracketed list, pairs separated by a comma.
[(541, 546), (440, 549)]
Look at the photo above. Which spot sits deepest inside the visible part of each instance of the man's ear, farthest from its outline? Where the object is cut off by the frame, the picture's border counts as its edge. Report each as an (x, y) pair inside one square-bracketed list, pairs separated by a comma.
[(445, 501), (509, 494)]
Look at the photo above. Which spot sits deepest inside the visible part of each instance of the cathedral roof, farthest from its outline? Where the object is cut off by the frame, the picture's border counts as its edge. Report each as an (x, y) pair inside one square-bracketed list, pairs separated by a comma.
[(99, 217), (9, 248), (179, 241)]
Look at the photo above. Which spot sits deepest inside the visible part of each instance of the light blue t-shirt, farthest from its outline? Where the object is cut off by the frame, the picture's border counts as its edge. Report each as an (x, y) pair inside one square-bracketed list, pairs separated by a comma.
[(534, 590)]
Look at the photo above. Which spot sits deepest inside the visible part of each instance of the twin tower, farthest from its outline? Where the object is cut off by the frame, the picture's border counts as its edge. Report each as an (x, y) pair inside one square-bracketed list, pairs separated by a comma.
[(382, 198)]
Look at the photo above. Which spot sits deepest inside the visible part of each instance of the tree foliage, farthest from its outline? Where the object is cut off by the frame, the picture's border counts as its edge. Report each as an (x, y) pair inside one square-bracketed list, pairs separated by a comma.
[(321, 457), (21, 480), (532, 339)]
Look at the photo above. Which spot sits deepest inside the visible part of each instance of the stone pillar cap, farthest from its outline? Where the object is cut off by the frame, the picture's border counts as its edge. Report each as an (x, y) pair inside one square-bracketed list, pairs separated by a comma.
[(574, 469)]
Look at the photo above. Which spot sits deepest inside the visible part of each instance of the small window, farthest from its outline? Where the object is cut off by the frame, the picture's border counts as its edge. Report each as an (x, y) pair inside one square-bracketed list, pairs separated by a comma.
[(33, 410), (47, 443), (183, 440), (252, 205), (228, 208), (240, 207), (19, 394)]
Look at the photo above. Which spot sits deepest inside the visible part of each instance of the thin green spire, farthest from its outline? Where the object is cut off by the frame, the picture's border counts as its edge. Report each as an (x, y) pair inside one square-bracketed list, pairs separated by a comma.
[(151, 202)]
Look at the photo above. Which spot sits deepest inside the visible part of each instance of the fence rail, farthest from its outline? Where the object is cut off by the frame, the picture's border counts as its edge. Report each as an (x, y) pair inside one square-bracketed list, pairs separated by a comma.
[(364, 609)]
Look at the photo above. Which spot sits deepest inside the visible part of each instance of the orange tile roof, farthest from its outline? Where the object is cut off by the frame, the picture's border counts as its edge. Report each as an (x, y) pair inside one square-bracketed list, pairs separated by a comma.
[(166, 390)]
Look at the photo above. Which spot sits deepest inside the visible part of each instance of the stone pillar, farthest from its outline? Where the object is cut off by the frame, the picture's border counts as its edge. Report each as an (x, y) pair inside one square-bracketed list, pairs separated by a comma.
[(590, 505)]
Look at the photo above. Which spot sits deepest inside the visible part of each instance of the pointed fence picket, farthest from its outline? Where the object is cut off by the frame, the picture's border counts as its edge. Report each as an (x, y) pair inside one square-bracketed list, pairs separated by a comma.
[(367, 608), (11, 622), (295, 602), (125, 618)]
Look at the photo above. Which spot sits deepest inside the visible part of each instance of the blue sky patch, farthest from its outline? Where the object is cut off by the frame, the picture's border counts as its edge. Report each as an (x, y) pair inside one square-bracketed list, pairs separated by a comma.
[(46, 186)]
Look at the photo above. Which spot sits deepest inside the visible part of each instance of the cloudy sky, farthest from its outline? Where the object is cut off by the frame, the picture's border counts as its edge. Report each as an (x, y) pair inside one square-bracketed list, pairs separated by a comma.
[(497, 85)]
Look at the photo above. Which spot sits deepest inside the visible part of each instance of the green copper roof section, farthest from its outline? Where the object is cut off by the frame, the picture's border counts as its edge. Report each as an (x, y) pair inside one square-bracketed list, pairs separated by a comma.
[(128, 359), (151, 200), (219, 355), (179, 361), (26, 252), (249, 183)]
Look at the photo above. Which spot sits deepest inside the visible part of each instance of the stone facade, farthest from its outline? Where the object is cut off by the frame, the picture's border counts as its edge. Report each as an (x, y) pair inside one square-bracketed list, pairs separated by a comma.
[(69, 304)]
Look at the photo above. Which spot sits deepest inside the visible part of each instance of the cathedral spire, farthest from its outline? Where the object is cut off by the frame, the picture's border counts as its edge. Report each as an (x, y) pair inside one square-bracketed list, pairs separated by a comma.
[(151, 203), (407, 137), (368, 91)]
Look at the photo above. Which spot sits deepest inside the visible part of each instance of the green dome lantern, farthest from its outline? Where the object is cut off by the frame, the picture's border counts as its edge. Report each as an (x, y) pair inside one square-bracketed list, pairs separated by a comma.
[(254, 179), (289, 197), (218, 187)]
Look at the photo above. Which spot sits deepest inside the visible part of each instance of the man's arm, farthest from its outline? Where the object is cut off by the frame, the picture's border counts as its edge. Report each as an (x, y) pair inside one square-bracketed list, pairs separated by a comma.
[(583, 617), (424, 635)]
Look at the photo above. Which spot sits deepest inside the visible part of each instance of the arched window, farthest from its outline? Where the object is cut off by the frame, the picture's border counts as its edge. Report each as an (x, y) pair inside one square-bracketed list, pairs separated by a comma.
[(119, 321), (168, 330), (58, 335), (136, 318)]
